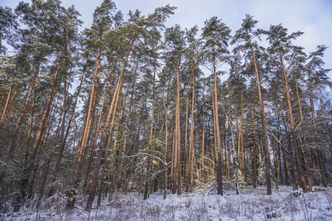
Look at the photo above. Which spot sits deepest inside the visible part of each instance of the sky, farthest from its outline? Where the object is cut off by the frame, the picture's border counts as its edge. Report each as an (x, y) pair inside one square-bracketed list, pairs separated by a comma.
[(313, 17)]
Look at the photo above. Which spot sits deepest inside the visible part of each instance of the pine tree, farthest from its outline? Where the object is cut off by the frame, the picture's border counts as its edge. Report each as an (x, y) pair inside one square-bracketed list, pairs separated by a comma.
[(215, 36), (280, 44), (317, 79), (247, 45), (175, 46), (193, 57)]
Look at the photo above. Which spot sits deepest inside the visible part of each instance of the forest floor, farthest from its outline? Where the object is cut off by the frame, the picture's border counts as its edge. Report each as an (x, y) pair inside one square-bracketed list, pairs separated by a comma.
[(250, 204)]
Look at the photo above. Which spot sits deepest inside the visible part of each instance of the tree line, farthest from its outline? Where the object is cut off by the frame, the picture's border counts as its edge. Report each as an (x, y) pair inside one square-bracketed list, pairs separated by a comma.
[(130, 104)]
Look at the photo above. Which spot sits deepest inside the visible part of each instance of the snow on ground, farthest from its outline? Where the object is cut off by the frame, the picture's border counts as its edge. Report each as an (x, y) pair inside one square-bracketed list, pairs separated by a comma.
[(251, 204)]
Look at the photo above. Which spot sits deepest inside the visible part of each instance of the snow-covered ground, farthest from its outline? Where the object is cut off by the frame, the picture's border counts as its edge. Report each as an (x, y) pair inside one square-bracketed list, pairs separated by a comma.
[(251, 204)]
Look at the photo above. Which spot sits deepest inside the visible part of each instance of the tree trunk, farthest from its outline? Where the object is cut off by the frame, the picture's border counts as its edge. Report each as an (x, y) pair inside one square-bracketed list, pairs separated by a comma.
[(177, 133), (217, 143), (166, 148), (186, 148), (255, 157), (203, 174), (5, 109), (265, 137), (303, 155), (192, 133)]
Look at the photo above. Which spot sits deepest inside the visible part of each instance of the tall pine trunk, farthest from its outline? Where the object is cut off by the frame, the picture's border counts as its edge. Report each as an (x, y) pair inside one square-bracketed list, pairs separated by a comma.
[(265, 137), (217, 142), (192, 133)]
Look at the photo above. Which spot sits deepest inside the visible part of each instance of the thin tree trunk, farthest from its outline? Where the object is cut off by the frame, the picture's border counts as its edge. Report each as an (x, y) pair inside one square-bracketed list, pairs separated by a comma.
[(151, 136), (177, 132), (186, 148), (192, 133), (166, 147), (255, 150), (235, 155), (4, 112), (203, 174)]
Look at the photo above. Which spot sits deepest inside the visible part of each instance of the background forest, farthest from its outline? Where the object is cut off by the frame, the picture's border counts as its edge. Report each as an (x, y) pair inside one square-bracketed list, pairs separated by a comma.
[(130, 105)]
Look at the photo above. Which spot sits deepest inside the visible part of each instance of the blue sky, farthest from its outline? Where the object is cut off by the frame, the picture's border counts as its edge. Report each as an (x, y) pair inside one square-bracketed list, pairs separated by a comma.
[(311, 16)]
